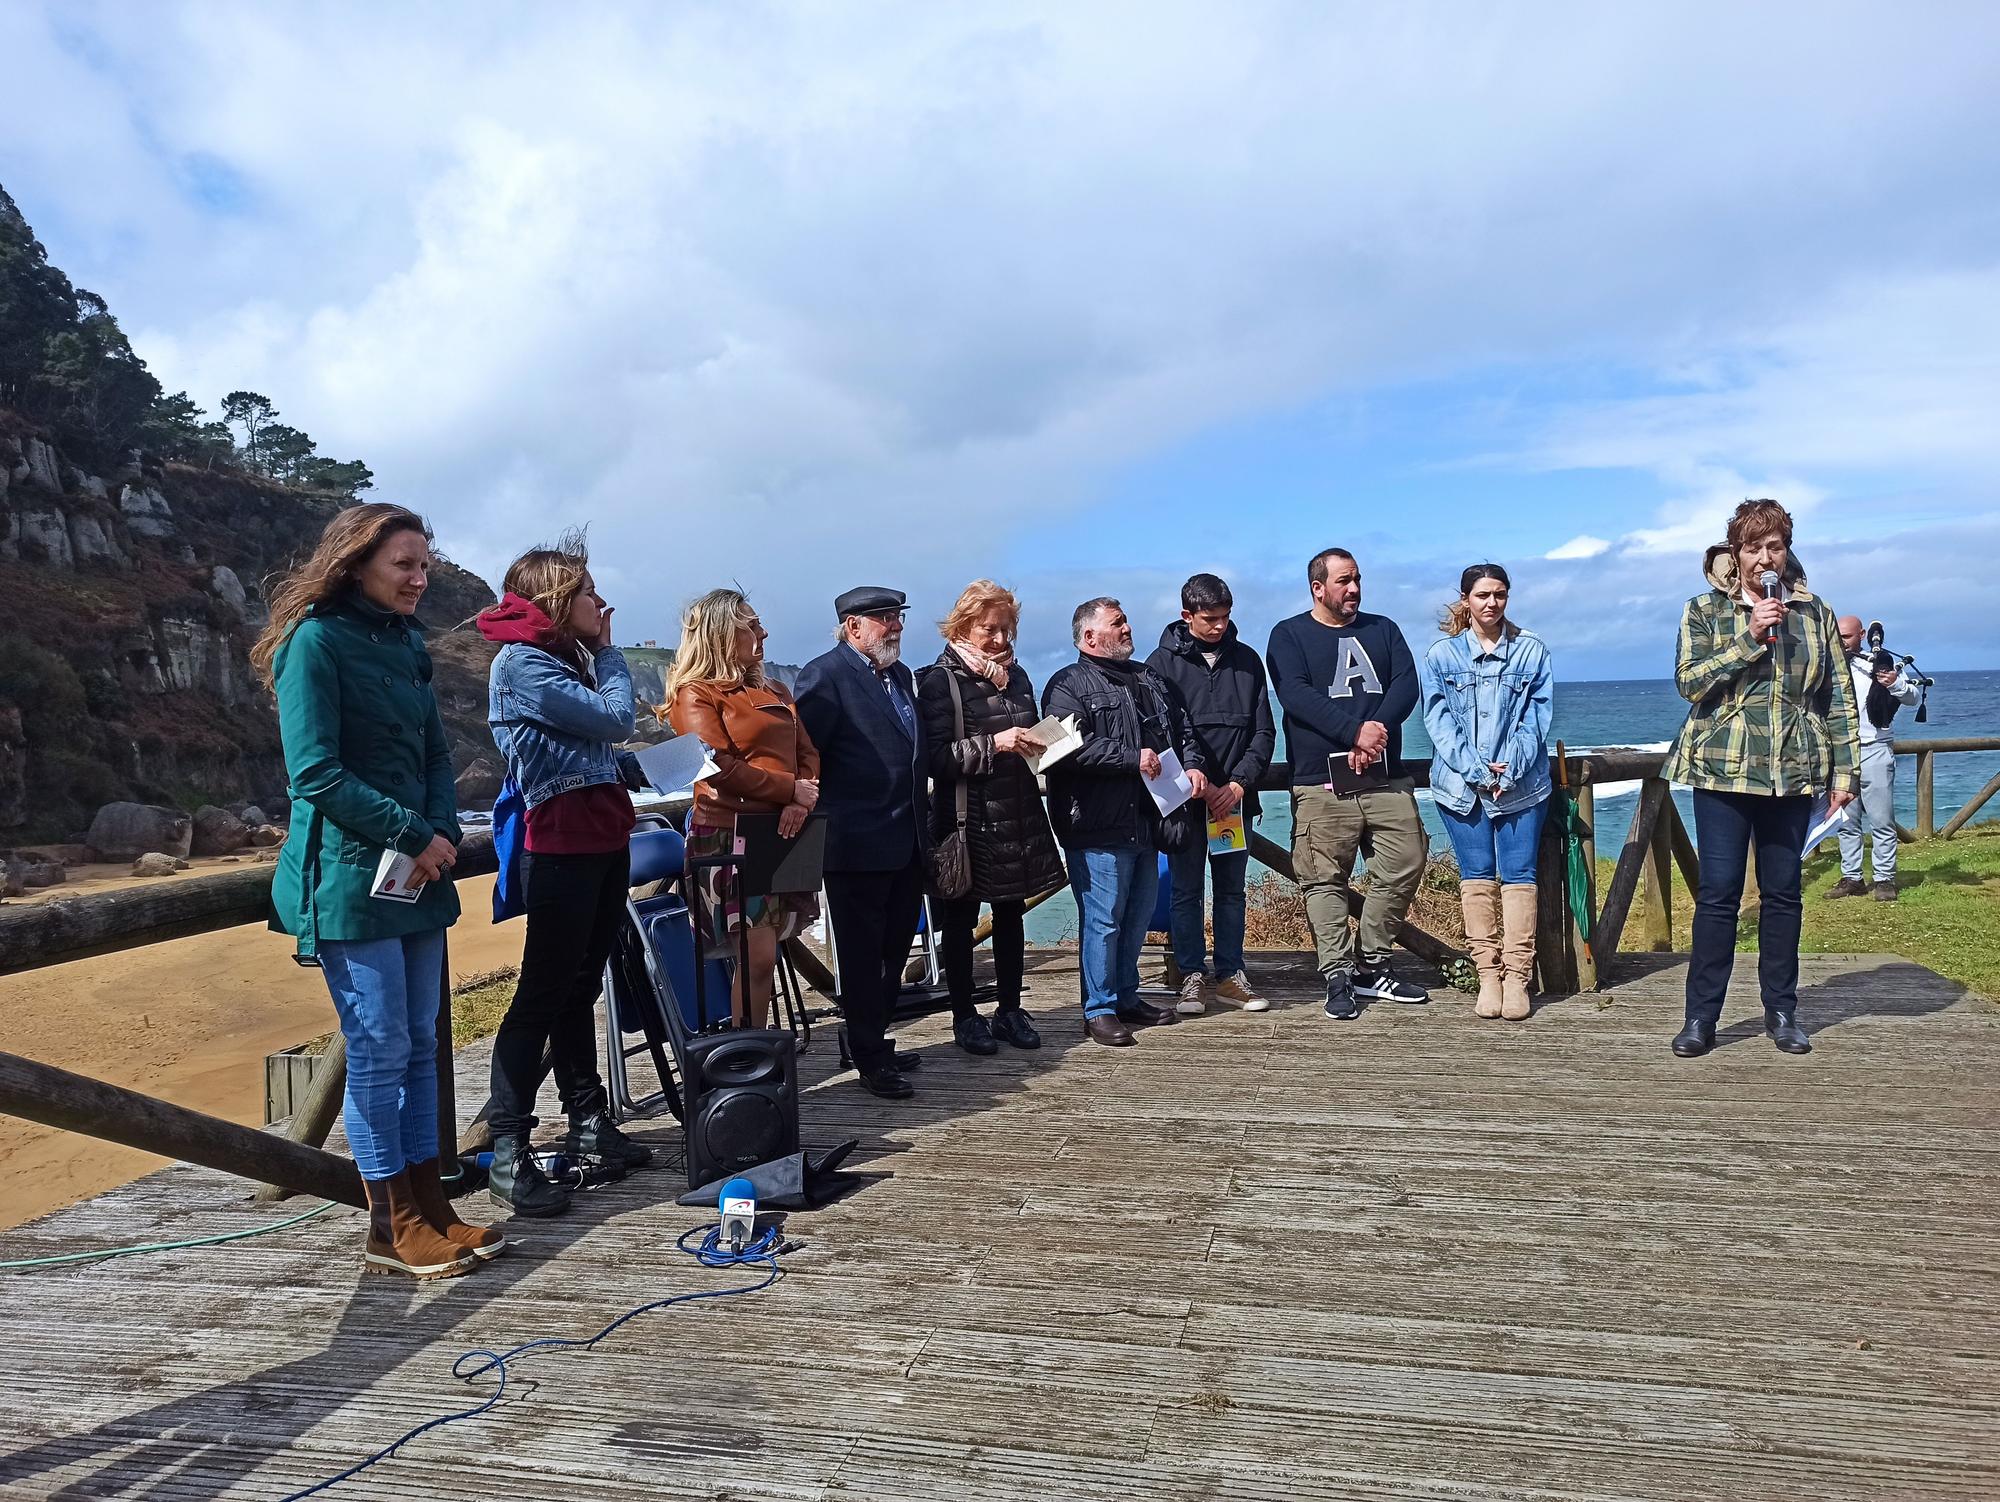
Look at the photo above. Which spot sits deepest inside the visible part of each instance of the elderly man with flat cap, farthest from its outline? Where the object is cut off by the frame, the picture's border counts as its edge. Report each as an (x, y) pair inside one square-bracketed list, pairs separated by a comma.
[(859, 705)]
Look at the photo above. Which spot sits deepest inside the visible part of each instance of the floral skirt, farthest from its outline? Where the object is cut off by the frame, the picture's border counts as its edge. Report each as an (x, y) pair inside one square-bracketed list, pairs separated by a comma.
[(725, 909)]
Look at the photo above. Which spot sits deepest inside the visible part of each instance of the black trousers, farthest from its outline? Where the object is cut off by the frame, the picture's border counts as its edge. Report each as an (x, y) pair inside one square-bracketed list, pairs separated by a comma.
[(575, 904), (874, 917), (1727, 826), (957, 917)]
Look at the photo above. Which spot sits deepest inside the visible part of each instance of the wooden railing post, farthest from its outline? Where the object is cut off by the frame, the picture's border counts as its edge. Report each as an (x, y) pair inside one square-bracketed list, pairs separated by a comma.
[(95, 1108), (447, 1082), (1926, 822), (1659, 871), (1625, 879), (1963, 817)]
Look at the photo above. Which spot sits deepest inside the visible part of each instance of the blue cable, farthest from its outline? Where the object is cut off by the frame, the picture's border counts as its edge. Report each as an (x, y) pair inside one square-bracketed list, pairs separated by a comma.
[(763, 1252)]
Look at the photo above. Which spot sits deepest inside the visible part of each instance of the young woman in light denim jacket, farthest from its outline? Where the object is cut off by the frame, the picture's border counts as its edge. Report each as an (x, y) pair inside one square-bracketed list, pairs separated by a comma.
[(1488, 691), (561, 697)]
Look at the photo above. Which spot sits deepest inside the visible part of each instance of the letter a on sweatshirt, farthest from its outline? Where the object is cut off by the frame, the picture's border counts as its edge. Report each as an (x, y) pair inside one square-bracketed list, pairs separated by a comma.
[(1354, 664)]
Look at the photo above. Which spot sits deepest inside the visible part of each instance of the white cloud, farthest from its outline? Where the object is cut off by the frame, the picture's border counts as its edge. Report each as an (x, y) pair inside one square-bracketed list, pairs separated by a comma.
[(1583, 545)]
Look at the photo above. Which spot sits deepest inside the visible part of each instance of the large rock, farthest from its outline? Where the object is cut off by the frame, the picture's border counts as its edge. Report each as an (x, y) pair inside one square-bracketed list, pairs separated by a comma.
[(147, 513), (43, 873), (13, 769), (266, 836), (478, 784), (229, 589), (157, 863), (72, 854), (217, 831), (250, 814), (42, 467), (45, 539), (126, 831), (93, 542)]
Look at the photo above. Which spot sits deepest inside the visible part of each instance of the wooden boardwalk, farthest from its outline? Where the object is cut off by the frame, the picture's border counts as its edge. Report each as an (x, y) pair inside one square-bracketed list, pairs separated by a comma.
[(1263, 1257)]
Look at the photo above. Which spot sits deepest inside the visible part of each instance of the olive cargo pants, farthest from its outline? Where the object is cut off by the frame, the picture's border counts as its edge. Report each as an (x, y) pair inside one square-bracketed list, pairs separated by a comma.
[(1328, 830)]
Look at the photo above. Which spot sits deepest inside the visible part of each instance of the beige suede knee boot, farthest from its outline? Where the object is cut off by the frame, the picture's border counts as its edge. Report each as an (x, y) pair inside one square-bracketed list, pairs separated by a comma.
[(1479, 902), (1517, 912)]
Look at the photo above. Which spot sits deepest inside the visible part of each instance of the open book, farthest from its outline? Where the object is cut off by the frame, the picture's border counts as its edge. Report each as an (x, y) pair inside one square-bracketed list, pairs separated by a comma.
[(393, 878), (1059, 737)]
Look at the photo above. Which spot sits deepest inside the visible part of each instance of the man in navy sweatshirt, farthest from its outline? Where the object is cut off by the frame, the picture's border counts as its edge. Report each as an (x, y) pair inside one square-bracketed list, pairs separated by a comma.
[(1346, 683)]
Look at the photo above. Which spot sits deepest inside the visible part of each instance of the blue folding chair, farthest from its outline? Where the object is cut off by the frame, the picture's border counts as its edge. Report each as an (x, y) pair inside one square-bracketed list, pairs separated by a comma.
[(652, 984)]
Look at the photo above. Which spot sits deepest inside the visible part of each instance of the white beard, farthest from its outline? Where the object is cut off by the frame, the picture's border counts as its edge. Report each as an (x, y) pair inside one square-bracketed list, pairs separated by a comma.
[(884, 654), (1120, 653)]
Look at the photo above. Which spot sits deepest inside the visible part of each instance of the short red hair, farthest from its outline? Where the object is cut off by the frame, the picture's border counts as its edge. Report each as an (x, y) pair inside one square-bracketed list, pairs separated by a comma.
[(1755, 519)]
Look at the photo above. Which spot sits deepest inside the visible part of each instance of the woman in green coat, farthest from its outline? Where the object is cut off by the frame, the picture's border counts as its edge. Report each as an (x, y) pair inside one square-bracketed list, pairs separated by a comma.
[(370, 774)]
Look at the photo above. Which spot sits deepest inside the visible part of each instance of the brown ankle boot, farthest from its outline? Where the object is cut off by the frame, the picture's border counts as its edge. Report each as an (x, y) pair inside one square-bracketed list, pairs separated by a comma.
[(484, 1242), (1517, 918), (1479, 905), (399, 1238)]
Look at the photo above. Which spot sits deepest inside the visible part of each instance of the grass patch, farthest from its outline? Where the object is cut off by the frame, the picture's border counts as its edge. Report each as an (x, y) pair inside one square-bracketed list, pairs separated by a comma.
[(479, 1002), (1946, 917)]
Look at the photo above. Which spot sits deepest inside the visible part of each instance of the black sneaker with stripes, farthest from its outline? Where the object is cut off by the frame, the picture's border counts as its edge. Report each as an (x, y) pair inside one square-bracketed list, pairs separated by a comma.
[(1383, 986)]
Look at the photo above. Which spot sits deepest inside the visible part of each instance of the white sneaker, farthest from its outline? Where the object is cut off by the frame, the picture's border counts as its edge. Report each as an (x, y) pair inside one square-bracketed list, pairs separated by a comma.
[(1194, 995), (1236, 989)]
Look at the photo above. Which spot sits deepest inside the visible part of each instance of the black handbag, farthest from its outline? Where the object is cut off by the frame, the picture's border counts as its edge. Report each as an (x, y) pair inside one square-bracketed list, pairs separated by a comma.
[(951, 857)]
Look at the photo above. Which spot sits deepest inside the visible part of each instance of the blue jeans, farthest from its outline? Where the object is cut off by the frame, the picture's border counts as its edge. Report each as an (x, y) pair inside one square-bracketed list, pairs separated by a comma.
[(1727, 827), (386, 992), (1115, 891), (1226, 874), (1498, 847)]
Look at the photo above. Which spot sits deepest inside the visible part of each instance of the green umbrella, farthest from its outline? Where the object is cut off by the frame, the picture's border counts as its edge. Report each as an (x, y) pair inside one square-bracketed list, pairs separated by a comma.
[(1572, 831)]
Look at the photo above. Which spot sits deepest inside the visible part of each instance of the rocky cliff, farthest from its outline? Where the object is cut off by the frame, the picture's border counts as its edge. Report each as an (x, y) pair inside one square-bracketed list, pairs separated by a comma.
[(132, 598)]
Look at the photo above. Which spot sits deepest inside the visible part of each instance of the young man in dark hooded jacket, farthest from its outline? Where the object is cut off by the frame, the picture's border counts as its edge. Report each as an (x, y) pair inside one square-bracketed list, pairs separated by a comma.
[(1222, 680)]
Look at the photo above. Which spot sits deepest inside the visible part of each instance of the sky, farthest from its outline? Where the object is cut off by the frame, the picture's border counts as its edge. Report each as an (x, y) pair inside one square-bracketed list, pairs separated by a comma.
[(1084, 298)]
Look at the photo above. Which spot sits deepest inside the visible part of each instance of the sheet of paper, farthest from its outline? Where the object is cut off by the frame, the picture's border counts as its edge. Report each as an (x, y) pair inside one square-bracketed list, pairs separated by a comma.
[(393, 878), (1227, 836), (676, 765), (1824, 823), (1171, 788), (1059, 737)]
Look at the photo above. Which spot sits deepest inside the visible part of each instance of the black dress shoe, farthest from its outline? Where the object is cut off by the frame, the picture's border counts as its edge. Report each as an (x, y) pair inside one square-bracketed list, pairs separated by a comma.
[(1785, 1031), (887, 1083), (1694, 1039), (596, 1137), (1011, 1025), (1145, 1014), (906, 1061), (973, 1035), (1108, 1030)]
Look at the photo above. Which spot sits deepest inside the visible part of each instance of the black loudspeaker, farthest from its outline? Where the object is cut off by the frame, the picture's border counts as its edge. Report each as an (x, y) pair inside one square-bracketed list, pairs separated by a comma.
[(742, 1089)]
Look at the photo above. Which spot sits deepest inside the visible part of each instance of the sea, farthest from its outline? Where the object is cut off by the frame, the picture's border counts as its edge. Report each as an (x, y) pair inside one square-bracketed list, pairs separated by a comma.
[(1644, 715)]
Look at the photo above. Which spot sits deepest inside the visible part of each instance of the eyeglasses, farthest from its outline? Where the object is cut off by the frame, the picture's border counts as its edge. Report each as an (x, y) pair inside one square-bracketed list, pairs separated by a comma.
[(884, 615)]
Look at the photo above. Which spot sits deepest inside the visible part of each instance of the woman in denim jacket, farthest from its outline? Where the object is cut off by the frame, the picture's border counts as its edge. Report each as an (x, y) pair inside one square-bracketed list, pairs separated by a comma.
[(561, 696), (1488, 690)]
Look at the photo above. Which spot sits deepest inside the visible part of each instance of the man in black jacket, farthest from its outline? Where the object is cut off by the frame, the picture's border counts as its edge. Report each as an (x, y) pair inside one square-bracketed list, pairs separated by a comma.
[(1104, 817), (1346, 682), (858, 703), (1222, 680)]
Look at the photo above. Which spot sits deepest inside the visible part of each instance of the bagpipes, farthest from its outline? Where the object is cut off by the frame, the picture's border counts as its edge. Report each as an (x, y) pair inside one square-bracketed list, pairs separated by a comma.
[(1882, 706)]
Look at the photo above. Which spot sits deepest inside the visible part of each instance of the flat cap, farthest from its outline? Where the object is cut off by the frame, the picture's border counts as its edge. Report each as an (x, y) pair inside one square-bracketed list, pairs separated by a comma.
[(869, 599)]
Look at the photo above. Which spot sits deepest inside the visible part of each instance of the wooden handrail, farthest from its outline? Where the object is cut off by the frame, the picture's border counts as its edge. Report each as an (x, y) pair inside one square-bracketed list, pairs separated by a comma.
[(55, 931)]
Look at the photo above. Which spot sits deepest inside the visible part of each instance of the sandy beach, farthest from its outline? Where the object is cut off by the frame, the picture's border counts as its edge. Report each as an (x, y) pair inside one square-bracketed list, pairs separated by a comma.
[(189, 1021)]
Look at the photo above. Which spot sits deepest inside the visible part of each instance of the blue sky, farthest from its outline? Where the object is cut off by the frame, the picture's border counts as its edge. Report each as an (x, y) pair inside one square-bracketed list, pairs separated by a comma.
[(1082, 297)]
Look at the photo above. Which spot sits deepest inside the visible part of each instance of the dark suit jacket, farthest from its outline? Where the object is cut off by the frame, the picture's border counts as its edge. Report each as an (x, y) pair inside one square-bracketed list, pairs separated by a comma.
[(871, 771)]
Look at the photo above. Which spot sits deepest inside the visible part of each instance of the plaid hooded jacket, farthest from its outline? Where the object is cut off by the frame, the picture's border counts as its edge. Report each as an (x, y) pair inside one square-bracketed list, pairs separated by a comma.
[(1777, 720)]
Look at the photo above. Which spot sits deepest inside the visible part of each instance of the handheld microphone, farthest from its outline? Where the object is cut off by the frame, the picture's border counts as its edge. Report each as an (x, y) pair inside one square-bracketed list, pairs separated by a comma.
[(1771, 584), (737, 1204)]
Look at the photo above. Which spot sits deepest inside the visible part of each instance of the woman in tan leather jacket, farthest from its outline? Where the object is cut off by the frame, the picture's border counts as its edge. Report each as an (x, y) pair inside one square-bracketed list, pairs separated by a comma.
[(765, 764)]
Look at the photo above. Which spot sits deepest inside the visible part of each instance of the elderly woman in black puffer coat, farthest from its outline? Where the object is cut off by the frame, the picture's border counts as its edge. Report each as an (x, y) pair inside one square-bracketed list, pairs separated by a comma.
[(977, 682)]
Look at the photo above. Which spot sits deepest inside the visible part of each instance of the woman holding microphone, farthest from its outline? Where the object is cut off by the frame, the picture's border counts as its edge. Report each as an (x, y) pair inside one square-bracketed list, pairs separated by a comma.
[(1771, 725)]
